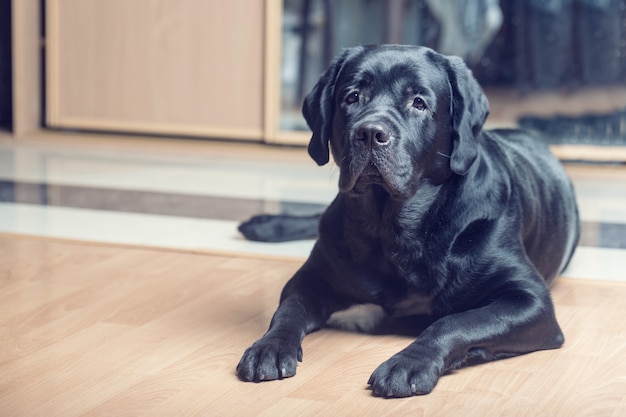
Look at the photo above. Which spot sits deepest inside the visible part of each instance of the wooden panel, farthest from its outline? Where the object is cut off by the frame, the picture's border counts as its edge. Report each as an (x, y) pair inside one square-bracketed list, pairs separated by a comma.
[(175, 66), (94, 330), (273, 40), (26, 44)]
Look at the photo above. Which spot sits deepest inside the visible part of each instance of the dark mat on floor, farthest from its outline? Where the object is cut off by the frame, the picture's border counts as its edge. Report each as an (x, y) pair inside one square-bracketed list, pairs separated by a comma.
[(590, 129)]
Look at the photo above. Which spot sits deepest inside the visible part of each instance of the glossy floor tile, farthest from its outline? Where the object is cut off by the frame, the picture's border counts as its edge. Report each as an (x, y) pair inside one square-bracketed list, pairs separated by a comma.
[(191, 195)]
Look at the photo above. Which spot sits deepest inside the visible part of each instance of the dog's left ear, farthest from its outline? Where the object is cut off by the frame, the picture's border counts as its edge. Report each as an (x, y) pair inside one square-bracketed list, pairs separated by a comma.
[(319, 106), (469, 110)]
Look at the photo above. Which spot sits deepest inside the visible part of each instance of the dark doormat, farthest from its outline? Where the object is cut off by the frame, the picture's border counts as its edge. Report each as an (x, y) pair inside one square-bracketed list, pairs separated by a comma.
[(589, 129)]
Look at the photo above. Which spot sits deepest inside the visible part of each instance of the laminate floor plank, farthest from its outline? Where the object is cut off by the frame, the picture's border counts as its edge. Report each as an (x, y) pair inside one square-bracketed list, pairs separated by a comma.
[(109, 330)]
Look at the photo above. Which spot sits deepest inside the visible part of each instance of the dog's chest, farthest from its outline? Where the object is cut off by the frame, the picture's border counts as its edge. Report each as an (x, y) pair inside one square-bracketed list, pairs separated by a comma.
[(413, 304), (383, 257), (401, 291)]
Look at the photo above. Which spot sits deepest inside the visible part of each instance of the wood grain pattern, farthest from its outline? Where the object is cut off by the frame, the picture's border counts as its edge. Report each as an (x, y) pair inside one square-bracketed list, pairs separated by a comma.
[(92, 330), (26, 66), (188, 67)]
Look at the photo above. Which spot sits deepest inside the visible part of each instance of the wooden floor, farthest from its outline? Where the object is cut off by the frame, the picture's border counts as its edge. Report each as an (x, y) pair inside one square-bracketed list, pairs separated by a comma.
[(89, 330)]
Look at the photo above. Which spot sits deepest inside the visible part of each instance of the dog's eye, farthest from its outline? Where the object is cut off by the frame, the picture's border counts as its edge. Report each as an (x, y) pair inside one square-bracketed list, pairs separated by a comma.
[(419, 103), (352, 98)]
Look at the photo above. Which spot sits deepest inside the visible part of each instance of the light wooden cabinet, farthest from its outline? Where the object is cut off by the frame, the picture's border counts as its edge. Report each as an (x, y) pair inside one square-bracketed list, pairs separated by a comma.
[(176, 67)]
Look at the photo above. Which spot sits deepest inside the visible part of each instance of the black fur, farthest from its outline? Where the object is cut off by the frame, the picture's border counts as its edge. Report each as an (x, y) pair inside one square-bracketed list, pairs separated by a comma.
[(280, 227), (437, 221)]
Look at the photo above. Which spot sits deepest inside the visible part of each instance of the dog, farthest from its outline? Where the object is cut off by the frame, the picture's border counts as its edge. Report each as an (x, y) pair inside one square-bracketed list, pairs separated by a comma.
[(455, 229)]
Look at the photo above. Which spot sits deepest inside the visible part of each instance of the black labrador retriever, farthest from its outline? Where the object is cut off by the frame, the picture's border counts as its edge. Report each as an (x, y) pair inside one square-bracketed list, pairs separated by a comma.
[(436, 221)]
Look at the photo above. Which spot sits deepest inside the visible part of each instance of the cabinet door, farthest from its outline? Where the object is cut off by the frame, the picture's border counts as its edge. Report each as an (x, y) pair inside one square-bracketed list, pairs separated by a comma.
[(188, 67)]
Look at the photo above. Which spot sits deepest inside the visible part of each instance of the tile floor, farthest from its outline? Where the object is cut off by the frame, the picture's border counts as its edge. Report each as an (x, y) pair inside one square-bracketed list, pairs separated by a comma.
[(191, 195)]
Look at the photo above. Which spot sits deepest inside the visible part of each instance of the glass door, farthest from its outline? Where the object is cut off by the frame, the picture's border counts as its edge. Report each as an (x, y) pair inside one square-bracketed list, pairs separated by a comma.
[(556, 66)]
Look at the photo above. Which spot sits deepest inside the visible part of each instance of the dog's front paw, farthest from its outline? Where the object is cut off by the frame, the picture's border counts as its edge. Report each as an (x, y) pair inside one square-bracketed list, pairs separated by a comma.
[(403, 376), (269, 359)]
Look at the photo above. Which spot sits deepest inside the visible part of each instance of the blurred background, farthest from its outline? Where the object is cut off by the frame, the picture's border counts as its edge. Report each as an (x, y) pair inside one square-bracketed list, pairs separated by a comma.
[(238, 70), (518, 50)]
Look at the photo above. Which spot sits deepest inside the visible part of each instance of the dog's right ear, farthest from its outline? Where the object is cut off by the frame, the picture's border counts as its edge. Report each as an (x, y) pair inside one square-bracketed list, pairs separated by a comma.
[(319, 106)]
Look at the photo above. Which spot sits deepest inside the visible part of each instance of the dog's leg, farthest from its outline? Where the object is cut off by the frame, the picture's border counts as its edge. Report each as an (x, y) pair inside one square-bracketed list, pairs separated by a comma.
[(306, 304), (280, 227), (518, 322)]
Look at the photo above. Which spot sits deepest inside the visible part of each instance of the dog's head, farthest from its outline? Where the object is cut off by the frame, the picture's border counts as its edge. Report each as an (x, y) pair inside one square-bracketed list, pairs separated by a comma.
[(394, 115)]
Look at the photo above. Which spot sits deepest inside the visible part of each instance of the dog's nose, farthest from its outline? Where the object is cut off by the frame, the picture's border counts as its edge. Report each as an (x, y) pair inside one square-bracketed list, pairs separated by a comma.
[(373, 134)]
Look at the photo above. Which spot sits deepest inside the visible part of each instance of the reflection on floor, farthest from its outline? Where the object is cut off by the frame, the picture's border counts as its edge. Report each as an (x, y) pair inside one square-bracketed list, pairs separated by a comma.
[(191, 195)]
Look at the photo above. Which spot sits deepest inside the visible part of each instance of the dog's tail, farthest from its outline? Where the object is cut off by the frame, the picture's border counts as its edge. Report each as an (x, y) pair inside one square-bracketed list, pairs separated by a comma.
[(280, 227)]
